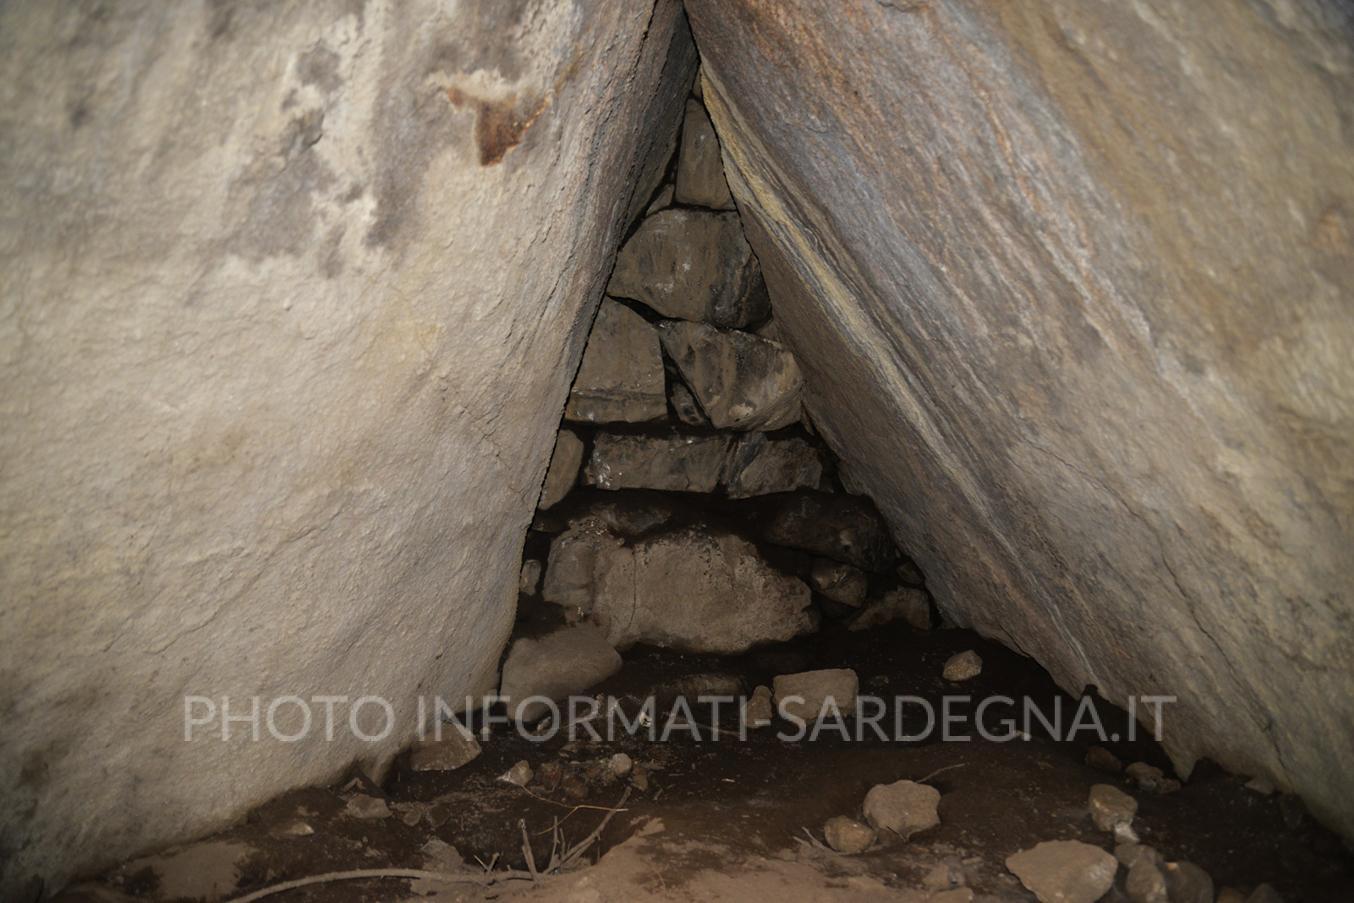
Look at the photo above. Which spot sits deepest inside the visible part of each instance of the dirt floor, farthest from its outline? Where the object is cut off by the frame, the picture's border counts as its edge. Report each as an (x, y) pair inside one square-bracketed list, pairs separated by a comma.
[(724, 819)]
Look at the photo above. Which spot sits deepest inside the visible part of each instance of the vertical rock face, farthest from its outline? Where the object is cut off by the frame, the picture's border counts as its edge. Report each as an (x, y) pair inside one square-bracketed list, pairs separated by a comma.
[(292, 298), (1071, 287)]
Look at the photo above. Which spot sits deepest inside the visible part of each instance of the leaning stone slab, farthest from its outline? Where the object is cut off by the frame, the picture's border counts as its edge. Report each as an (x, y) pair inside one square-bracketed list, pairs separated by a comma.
[(700, 171)]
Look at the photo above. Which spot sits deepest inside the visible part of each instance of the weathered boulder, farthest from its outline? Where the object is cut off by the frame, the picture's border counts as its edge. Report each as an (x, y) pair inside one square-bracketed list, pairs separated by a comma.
[(700, 171), (843, 527), (1064, 871), (760, 465), (910, 605), (902, 808), (560, 477), (846, 835), (1084, 394), (742, 381), (695, 589), (692, 265), (842, 583), (567, 661), (1188, 883), (577, 556), (676, 462), (293, 295), (810, 695), (621, 377)]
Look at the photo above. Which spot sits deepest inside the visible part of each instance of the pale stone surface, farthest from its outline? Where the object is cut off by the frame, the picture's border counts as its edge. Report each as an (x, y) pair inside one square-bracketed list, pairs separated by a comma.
[(293, 293), (846, 835), (1064, 871), (563, 471), (1188, 883), (446, 748), (903, 808), (1111, 807), (621, 377), (692, 265), (760, 711), (817, 691), (677, 463), (1090, 356), (700, 171), (760, 465), (567, 661), (963, 666), (742, 381), (695, 589)]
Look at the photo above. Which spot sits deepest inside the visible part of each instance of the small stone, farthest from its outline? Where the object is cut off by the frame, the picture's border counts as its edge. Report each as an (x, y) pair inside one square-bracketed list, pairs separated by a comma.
[(692, 265), (1263, 893), (841, 527), (296, 827), (742, 382), (759, 712), (675, 463), (639, 777), (700, 171), (549, 775), (574, 787), (910, 605), (842, 583), (954, 895), (519, 774), (1147, 777), (1064, 871), (810, 694), (1231, 895), (563, 471), (530, 578), (1129, 853), (760, 466), (1168, 785), (620, 764), (962, 666), (846, 835), (1124, 833), (555, 666), (365, 806), (1187, 883), (1146, 883), (944, 875), (1111, 807), (449, 747), (621, 377), (903, 808), (684, 404), (1101, 759)]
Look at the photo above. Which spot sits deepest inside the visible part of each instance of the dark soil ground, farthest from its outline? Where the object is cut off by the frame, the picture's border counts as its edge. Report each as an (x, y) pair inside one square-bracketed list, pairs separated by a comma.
[(756, 797)]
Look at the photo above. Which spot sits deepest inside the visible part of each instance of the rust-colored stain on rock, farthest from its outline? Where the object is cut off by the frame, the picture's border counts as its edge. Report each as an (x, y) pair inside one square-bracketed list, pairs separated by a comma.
[(499, 124)]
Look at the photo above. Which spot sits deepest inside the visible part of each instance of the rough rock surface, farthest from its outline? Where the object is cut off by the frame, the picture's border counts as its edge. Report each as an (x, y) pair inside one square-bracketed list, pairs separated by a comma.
[(569, 660), (700, 171), (842, 583), (621, 377), (817, 692), (910, 605), (692, 265), (1111, 807), (1064, 871), (696, 589), (902, 808), (446, 748), (265, 270), (846, 835), (560, 477), (742, 381), (842, 527), (577, 557), (1107, 403), (761, 465), (677, 463), (963, 666)]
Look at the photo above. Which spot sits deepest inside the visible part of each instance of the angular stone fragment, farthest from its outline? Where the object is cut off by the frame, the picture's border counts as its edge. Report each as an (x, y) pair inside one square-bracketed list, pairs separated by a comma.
[(1188, 883), (563, 471), (963, 666), (759, 712), (902, 808), (700, 171), (760, 465), (446, 748), (1064, 871), (846, 835), (842, 583), (842, 527), (568, 661), (529, 579), (811, 694), (1145, 883), (676, 463), (1111, 807), (742, 382), (699, 590), (692, 265), (621, 377), (910, 605)]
